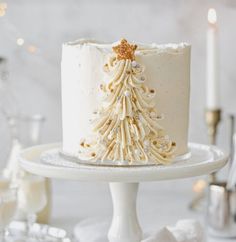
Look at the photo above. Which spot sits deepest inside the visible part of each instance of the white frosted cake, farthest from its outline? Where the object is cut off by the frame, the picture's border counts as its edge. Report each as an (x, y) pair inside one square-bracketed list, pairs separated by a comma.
[(125, 102)]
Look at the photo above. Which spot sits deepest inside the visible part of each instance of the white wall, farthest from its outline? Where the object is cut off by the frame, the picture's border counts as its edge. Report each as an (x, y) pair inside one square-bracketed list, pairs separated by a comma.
[(46, 24)]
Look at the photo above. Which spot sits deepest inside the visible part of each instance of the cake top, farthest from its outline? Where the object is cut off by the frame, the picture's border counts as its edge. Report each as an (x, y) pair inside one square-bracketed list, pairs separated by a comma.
[(142, 49)]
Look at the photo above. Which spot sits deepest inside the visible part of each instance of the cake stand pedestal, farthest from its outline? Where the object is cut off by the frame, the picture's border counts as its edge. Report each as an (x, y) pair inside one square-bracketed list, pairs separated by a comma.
[(123, 181)]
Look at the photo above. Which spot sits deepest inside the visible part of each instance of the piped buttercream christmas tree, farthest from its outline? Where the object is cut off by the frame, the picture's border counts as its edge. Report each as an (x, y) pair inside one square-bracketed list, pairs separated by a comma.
[(127, 124)]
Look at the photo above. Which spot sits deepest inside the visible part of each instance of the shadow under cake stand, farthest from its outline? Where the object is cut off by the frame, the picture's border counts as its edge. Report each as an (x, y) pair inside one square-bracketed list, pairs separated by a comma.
[(45, 160)]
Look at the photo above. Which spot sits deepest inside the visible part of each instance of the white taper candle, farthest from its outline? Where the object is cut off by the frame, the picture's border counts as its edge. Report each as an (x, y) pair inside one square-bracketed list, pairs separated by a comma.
[(213, 95)]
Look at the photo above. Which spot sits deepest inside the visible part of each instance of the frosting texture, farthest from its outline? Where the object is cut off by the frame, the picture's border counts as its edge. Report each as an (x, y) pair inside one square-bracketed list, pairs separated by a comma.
[(126, 126)]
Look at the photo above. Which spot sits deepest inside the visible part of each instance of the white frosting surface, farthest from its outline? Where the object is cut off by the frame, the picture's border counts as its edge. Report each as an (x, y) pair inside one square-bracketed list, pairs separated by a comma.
[(167, 69)]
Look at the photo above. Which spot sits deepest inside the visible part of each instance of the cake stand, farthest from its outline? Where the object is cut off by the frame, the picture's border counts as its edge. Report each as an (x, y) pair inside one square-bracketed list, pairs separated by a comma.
[(123, 181)]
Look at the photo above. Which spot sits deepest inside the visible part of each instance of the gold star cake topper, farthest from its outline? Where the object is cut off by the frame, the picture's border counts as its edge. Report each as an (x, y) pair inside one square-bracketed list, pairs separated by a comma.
[(124, 50)]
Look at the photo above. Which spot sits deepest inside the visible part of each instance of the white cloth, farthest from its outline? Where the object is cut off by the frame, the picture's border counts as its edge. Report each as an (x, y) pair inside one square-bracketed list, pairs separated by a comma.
[(188, 231), (163, 235), (92, 230), (95, 230)]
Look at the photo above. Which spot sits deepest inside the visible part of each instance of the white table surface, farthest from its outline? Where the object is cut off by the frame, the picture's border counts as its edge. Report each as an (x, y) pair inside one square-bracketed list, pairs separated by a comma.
[(159, 203)]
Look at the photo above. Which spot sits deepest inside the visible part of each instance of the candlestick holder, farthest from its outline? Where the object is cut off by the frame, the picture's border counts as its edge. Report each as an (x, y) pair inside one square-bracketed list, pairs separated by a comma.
[(212, 118)]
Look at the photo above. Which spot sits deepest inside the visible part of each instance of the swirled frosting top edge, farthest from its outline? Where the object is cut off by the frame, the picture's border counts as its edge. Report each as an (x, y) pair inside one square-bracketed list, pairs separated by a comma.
[(142, 48)]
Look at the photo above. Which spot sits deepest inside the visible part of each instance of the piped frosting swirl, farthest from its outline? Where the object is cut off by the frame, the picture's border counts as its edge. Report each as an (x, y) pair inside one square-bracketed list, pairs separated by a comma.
[(126, 127)]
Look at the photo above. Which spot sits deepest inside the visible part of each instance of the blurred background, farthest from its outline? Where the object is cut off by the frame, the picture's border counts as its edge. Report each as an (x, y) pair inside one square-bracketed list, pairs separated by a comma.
[(35, 65), (32, 33)]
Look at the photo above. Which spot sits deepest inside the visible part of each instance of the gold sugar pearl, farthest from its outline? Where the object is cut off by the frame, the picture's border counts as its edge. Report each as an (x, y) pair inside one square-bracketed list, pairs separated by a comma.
[(154, 142), (132, 121), (173, 144), (152, 91), (105, 67)]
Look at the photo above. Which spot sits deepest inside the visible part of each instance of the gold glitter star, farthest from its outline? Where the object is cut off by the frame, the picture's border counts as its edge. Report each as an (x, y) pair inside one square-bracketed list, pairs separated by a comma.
[(124, 50)]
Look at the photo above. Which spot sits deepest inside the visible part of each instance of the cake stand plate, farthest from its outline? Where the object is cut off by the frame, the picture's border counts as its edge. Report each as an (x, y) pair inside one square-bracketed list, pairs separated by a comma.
[(123, 181)]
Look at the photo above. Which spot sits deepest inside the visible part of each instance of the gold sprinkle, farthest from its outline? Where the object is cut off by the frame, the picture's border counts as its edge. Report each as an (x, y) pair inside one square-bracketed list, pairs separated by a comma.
[(164, 156), (173, 144), (154, 142), (93, 154), (105, 68), (112, 90), (82, 144), (128, 72), (152, 91)]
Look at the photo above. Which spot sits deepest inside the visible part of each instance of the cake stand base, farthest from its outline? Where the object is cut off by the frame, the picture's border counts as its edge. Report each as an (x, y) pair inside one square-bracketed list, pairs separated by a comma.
[(124, 181), (125, 226)]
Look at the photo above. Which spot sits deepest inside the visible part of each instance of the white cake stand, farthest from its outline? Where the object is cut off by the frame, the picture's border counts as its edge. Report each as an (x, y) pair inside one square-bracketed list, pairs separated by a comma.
[(123, 181)]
